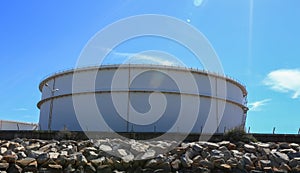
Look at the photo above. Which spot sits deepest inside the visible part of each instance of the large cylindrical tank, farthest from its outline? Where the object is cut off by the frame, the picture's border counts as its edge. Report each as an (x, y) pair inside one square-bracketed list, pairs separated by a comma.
[(122, 93)]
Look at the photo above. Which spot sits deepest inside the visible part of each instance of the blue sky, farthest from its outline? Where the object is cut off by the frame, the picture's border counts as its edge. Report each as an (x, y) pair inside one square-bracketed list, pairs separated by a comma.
[(257, 41)]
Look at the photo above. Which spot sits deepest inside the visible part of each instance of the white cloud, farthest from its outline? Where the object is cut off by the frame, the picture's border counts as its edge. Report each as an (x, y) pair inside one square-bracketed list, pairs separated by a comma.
[(256, 106), (285, 81), (198, 3), (148, 57), (155, 59), (21, 109)]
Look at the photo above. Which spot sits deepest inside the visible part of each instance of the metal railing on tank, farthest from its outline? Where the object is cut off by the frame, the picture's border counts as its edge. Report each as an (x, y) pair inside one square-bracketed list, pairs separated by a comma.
[(144, 65)]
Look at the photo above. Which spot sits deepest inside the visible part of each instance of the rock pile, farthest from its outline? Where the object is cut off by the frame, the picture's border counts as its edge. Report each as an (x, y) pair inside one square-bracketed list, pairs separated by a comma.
[(116, 155)]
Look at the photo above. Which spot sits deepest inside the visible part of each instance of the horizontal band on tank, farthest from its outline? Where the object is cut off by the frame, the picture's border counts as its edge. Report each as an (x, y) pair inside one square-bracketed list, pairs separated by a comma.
[(139, 91), (139, 66), (161, 90)]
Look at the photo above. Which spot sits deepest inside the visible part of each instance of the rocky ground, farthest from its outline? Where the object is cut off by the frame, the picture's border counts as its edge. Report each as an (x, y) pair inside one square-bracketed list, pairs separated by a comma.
[(115, 155)]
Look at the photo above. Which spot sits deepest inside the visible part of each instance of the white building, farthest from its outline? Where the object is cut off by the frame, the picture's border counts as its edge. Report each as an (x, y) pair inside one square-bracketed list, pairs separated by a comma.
[(15, 125)]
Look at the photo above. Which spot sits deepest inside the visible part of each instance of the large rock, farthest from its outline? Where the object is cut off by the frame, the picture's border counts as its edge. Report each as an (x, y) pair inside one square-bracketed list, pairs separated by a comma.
[(190, 153), (148, 154), (69, 168), (225, 167), (265, 163), (176, 164), (197, 159), (294, 146), (294, 162), (55, 166), (264, 151), (226, 154), (53, 155), (236, 153), (197, 148), (157, 164), (4, 166), (97, 162), (33, 153), (14, 168), (286, 151), (31, 167), (128, 158), (293, 155), (89, 168), (231, 146), (224, 143), (249, 148), (105, 148), (205, 153), (209, 145), (19, 149), (263, 145), (247, 160), (284, 145), (233, 162), (42, 158), (13, 145), (215, 152), (21, 155), (138, 148), (285, 167), (90, 154), (80, 159), (34, 146), (207, 164), (47, 147), (10, 158), (3, 150), (218, 162), (186, 162), (25, 162), (280, 157)]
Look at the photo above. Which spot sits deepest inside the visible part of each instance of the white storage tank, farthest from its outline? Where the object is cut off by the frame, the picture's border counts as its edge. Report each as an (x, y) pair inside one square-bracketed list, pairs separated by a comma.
[(124, 94)]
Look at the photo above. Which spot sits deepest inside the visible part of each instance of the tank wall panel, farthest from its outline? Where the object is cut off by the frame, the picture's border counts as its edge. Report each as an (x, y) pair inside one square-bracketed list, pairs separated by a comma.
[(44, 115), (46, 91), (233, 117), (234, 93), (63, 84)]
